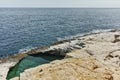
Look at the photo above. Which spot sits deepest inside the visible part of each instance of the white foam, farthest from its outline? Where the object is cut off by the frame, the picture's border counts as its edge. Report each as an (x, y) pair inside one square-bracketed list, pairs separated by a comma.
[(100, 30), (26, 49), (82, 34)]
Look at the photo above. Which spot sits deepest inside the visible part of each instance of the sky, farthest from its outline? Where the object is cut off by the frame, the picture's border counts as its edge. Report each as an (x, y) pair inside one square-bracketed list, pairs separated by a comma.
[(61, 3)]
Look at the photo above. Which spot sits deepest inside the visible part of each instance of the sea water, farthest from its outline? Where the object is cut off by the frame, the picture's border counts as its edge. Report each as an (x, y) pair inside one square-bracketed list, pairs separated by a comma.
[(22, 29)]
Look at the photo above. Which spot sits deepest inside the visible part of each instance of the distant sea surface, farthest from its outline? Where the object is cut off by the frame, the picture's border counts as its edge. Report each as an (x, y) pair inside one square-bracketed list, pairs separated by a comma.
[(25, 29)]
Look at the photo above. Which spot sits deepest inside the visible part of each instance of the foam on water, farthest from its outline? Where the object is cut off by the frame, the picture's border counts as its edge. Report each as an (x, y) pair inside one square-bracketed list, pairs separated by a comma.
[(101, 30), (82, 34), (29, 48), (26, 49)]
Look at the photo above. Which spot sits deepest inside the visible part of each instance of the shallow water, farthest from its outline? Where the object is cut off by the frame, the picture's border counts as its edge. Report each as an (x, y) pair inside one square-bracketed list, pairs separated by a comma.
[(29, 62), (24, 29)]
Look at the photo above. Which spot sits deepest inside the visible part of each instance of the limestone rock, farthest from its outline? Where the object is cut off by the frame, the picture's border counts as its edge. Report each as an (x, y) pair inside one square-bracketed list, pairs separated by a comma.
[(97, 59), (69, 69), (4, 68)]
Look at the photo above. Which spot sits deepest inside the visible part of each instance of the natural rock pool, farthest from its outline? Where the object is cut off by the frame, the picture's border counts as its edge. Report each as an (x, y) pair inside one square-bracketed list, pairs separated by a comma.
[(29, 62), (42, 56)]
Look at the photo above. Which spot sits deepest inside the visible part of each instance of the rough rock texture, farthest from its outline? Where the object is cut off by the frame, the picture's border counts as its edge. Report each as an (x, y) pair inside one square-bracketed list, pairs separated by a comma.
[(4, 68), (105, 47), (99, 59), (7, 63), (59, 49), (69, 69)]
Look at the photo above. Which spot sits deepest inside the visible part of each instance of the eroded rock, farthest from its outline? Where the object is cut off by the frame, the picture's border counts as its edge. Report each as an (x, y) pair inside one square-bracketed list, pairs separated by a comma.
[(69, 69), (98, 59)]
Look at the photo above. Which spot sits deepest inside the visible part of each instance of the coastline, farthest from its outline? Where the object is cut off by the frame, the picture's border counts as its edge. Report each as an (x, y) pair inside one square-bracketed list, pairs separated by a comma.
[(62, 40), (61, 48)]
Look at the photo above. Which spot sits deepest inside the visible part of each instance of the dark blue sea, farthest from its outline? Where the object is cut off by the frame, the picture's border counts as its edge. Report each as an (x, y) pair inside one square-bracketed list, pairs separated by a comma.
[(25, 29)]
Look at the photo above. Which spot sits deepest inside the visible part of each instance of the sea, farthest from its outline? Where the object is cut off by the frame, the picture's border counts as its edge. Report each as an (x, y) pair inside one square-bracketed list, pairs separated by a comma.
[(23, 29)]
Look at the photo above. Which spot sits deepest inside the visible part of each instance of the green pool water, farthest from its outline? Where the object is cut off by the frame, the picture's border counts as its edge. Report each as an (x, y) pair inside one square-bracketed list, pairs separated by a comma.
[(29, 62)]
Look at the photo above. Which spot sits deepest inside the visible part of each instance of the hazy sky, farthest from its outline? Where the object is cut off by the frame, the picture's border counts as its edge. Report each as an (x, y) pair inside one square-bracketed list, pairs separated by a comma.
[(60, 3)]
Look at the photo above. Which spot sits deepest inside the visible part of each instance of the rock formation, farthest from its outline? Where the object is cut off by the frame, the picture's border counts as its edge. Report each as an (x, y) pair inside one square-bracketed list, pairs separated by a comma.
[(90, 57), (7, 63), (69, 69)]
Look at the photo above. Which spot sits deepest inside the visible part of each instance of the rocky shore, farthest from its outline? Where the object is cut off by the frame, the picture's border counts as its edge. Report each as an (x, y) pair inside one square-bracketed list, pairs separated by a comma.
[(89, 57), (7, 63)]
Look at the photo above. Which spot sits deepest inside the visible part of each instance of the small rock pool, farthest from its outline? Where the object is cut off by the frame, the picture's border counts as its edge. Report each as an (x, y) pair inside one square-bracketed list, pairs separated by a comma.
[(30, 62)]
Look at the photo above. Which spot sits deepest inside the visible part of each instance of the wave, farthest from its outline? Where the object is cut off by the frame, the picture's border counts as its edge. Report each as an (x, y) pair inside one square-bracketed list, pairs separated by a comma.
[(82, 34), (29, 48), (100, 30), (26, 49)]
